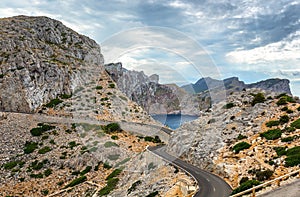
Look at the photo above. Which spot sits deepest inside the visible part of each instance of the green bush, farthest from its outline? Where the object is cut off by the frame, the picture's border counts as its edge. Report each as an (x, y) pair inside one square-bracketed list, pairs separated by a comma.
[(287, 139), (133, 186), (86, 170), (296, 124), (290, 129), (115, 173), (99, 87), (76, 181), (36, 165), (153, 194), (240, 137), (37, 176), (272, 134), (240, 146), (44, 150), (65, 96), (298, 108), (72, 144), (53, 103), (45, 192), (113, 157), (156, 139), (289, 111), (281, 101), (293, 151), (263, 175), (246, 185), (30, 147), (112, 127), (229, 105), (110, 185), (258, 98), (284, 119), (47, 172), (285, 108), (280, 150), (111, 85), (10, 165), (272, 123), (114, 137), (107, 166), (293, 157), (41, 129), (110, 144)]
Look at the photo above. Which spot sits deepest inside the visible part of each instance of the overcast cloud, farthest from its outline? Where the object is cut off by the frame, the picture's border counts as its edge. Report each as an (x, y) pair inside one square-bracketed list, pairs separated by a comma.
[(253, 40)]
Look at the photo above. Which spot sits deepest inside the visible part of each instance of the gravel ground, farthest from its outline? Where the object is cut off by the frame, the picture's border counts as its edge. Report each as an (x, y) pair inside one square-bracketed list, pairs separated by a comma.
[(290, 190)]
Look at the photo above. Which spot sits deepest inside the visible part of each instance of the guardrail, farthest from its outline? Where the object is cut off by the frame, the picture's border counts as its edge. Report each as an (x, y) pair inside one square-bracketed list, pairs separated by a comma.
[(277, 180)]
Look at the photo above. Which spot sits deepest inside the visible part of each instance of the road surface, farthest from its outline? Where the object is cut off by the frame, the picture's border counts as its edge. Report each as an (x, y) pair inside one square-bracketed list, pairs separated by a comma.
[(210, 185)]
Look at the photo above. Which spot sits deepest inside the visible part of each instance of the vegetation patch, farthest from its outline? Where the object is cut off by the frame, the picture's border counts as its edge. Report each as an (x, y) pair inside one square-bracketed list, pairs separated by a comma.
[(153, 194), (65, 96), (115, 173), (113, 157), (41, 129), (287, 139), (111, 128), (280, 150), (110, 185), (44, 150), (76, 181), (133, 186), (229, 105), (245, 185), (296, 124), (86, 170), (240, 146), (30, 147), (156, 139), (10, 165), (293, 157), (272, 134), (110, 144), (258, 98), (263, 175), (284, 119), (272, 123), (53, 103)]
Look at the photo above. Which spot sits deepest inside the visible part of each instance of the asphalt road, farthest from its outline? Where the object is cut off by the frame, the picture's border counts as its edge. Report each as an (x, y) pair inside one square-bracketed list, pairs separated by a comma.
[(210, 185)]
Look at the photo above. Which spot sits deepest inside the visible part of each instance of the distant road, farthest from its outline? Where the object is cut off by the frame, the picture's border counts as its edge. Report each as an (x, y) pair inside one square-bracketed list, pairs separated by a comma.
[(210, 185)]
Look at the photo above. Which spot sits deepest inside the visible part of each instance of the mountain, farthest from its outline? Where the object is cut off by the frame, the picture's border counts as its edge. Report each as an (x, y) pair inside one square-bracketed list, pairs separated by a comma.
[(234, 84), (154, 97)]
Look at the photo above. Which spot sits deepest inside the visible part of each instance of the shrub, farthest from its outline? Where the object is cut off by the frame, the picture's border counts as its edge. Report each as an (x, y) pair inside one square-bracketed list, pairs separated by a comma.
[(11, 165), (289, 111), (86, 170), (112, 127), (39, 176), (258, 98), (246, 185), (133, 186), (243, 180), (287, 139), (111, 85), (99, 87), (114, 137), (110, 185), (113, 157), (272, 123), (65, 96), (36, 165), (284, 119), (285, 108), (298, 108), (30, 147), (240, 146), (47, 172), (156, 139), (290, 129), (240, 137), (280, 150), (296, 124), (115, 173), (76, 181), (153, 194), (53, 103), (293, 157), (264, 175), (41, 129), (44, 150), (72, 144), (110, 144), (272, 134), (45, 192), (106, 166), (281, 101), (229, 105)]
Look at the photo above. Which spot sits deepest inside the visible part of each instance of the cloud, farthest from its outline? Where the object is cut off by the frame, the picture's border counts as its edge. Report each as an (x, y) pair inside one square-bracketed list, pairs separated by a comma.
[(286, 50)]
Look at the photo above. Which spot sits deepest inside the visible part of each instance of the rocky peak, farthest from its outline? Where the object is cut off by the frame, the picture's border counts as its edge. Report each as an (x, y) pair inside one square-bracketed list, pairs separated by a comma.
[(40, 58), (274, 85)]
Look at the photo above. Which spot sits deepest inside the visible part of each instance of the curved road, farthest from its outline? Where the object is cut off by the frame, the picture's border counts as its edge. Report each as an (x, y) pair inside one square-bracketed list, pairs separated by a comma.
[(210, 185)]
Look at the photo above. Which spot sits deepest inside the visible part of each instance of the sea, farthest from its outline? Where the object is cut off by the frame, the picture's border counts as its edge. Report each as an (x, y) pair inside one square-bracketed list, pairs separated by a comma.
[(173, 121)]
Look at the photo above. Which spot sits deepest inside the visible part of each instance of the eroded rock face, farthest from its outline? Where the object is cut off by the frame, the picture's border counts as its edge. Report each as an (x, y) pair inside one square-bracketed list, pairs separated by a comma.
[(155, 98), (40, 58)]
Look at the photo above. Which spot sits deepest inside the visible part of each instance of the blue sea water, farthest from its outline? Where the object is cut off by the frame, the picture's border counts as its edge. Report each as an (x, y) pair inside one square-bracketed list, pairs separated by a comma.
[(173, 120)]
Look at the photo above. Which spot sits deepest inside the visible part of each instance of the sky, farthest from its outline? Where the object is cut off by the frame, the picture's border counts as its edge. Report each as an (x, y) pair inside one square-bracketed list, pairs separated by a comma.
[(183, 40)]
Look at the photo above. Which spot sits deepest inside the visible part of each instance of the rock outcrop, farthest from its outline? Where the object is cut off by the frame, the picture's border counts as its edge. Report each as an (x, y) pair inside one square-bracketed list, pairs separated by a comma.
[(154, 97), (234, 84), (40, 59)]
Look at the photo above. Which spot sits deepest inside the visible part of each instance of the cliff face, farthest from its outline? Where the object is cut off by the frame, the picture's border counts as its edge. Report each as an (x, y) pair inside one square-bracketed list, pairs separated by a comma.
[(234, 84), (155, 98), (40, 58)]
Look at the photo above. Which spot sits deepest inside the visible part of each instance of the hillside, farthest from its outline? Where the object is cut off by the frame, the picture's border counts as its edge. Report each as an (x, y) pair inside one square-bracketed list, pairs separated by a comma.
[(58, 120), (248, 136)]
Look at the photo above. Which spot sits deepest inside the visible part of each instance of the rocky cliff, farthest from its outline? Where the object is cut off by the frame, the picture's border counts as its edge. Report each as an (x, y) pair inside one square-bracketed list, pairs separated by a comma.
[(234, 84), (41, 59), (154, 97)]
